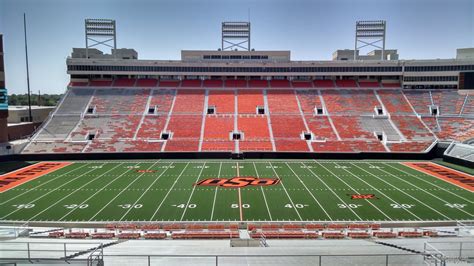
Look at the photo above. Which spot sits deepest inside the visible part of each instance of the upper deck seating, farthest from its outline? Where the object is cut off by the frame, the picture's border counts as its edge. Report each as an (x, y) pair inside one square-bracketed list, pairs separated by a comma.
[(254, 128), (301, 84), (320, 127), (287, 126), (324, 83), (282, 102), (275, 83), (420, 100), (346, 83), (152, 126), (450, 102), (120, 120), (345, 101), (146, 83), (189, 101), (391, 84), (191, 83), (369, 84), (58, 128), (249, 100), (455, 128), (235, 83), (410, 146), (78, 84), (124, 82), (119, 101), (218, 127), (348, 146), (395, 102), (212, 83), (469, 106), (223, 101), (412, 128), (100, 83), (309, 99), (258, 83), (162, 100), (185, 126), (169, 83), (349, 127)]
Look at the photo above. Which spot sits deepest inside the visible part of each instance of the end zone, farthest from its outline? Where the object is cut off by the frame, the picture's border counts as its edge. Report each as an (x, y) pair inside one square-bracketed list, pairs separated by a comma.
[(454, 177), (23, 175)]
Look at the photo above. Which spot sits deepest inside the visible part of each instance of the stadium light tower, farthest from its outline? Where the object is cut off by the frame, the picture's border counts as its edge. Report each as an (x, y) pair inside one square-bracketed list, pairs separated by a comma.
[(100, 32), (370, 33), (235, 35)]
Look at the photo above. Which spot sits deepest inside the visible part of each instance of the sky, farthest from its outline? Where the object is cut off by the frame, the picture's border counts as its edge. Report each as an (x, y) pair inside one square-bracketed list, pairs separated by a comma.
[(160, 29)]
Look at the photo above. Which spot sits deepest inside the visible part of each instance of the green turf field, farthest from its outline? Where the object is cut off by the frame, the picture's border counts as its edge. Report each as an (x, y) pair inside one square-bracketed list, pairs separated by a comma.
[(308, 190)]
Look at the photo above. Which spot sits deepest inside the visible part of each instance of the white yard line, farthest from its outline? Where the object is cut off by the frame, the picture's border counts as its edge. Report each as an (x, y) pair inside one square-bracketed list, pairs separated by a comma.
[(389, 198), (330, 189), (120, 193), (421, 179), (42, 184), (73, 192), (263, 193), (283, 185), (192, 191), (319, 204), (215, 193), (388, 183), (425, 191), (44, 195), (144, 192), (86, 200), (171, 188)]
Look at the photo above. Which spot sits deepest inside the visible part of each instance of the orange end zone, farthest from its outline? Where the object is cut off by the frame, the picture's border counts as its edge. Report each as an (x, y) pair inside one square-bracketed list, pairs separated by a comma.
[(454, 177), (23, 175)]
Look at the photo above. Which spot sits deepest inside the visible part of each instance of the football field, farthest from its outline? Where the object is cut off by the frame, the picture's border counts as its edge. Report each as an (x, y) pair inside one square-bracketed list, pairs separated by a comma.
[(230, 190)]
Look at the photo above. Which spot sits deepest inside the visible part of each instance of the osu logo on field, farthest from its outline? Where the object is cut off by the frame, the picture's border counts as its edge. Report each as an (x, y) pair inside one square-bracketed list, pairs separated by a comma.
[(236, 182), (363, 196)]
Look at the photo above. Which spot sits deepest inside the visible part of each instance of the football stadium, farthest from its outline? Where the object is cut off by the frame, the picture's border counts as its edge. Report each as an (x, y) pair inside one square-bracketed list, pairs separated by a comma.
[(238, 156)]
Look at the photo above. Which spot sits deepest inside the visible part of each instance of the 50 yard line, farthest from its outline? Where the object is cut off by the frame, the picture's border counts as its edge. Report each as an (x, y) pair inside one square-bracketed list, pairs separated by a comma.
[(240, 196)]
